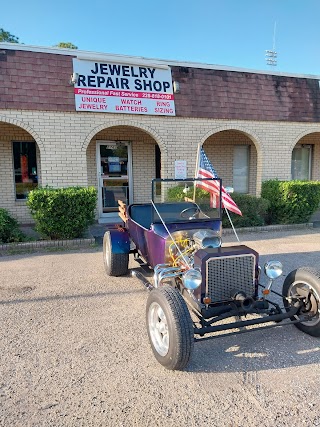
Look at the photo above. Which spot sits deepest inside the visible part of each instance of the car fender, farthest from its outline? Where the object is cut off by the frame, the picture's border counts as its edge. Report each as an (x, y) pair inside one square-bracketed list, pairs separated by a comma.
[(120, 241)]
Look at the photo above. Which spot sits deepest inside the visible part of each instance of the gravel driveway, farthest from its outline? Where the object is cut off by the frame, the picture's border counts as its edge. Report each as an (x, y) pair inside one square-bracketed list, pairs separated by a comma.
[(74, 351)]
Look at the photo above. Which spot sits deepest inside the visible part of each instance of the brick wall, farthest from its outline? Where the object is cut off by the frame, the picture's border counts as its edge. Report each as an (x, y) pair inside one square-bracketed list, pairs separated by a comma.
[(66, 143)]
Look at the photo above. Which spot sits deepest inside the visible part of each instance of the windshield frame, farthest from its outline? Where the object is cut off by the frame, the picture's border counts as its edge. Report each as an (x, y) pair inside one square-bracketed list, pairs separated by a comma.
[(216, 217)]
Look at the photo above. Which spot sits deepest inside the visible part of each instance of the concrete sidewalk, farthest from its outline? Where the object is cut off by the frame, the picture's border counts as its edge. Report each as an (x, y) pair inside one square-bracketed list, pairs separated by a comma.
[(95, 233)]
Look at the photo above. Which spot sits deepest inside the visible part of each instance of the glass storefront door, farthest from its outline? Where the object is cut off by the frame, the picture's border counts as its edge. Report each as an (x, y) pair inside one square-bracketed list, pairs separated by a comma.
[(115, 176)]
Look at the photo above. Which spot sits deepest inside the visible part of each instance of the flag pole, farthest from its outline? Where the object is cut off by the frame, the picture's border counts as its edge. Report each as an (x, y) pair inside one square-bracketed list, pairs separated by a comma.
[(196, 170), (234, 230)]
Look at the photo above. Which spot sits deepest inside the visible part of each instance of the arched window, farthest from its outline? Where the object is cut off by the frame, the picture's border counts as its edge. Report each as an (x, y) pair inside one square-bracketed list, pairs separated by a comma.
[(25, 167)]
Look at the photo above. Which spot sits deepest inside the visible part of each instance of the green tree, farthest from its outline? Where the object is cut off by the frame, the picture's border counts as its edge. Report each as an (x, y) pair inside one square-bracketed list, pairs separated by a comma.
[(66, 45), (5, 36)]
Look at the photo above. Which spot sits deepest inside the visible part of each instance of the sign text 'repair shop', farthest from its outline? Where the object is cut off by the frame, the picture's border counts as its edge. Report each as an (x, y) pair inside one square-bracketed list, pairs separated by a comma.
[(117, 88)]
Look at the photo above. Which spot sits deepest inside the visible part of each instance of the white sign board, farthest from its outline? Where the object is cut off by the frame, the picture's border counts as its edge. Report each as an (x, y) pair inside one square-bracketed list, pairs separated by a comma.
[(180, 169), (126, 89)]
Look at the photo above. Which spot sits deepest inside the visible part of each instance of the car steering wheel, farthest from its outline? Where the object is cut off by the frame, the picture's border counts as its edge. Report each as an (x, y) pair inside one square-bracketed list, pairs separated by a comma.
[(196, 210)]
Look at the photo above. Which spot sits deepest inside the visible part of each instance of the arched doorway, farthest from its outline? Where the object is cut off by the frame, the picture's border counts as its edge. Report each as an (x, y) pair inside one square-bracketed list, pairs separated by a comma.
[(305, 158), (20, 169), (234, 156), (121, 162)]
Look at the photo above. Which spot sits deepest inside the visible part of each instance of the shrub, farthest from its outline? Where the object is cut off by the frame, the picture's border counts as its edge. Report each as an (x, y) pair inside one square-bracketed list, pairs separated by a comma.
[(9, 228), (63, 213), (291, 202), (254, 211), (176, 194)]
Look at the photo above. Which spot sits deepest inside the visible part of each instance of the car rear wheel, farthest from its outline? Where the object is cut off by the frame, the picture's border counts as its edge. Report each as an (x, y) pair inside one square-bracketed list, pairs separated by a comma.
[(170, 328), (305, 282), (114, 264)]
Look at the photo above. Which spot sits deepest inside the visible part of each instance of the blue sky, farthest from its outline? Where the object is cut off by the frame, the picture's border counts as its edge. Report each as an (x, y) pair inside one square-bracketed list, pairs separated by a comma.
[(223, 32)]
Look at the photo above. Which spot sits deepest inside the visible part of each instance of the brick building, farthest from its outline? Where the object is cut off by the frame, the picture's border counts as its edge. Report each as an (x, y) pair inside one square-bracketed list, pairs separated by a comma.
[(253, 125)]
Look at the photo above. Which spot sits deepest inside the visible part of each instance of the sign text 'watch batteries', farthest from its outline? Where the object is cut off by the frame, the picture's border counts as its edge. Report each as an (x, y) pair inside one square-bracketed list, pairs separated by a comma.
[(126, 89)]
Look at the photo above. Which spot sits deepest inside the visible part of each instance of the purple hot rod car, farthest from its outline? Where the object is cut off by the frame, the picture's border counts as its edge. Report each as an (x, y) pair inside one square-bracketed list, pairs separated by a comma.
[(197, 282)]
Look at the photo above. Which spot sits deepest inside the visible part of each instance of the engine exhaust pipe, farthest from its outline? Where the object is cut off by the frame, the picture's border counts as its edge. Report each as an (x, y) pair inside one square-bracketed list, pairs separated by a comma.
[(143, 280), (246, 303)]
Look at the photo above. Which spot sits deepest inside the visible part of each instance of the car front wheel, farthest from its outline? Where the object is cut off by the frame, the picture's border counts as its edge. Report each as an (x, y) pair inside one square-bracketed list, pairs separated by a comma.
[(170, 328), (305, 283)]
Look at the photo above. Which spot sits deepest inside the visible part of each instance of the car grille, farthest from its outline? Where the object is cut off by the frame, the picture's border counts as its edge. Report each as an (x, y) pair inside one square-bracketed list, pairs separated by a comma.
[(226, 274)]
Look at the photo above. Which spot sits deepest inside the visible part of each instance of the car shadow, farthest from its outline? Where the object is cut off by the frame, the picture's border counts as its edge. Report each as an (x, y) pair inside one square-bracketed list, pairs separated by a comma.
[(26, 289), (262, 349), (277, 348)]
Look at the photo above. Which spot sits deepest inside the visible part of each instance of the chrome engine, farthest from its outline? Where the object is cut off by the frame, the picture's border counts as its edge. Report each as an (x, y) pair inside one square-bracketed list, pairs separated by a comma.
[(180, 252), (206, 239), (222, 271)]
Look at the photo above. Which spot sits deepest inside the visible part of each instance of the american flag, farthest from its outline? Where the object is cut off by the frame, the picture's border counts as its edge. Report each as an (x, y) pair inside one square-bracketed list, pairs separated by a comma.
[(206, 170)]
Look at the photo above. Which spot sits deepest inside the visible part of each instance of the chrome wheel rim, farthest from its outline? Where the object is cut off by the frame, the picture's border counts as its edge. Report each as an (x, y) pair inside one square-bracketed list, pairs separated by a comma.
[(106, 254), (314, 309), (158, 328)]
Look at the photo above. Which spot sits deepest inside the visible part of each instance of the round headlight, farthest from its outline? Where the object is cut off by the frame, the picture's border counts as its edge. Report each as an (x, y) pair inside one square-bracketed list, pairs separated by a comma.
[(211, 242), (192, 279), (273, 269)]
